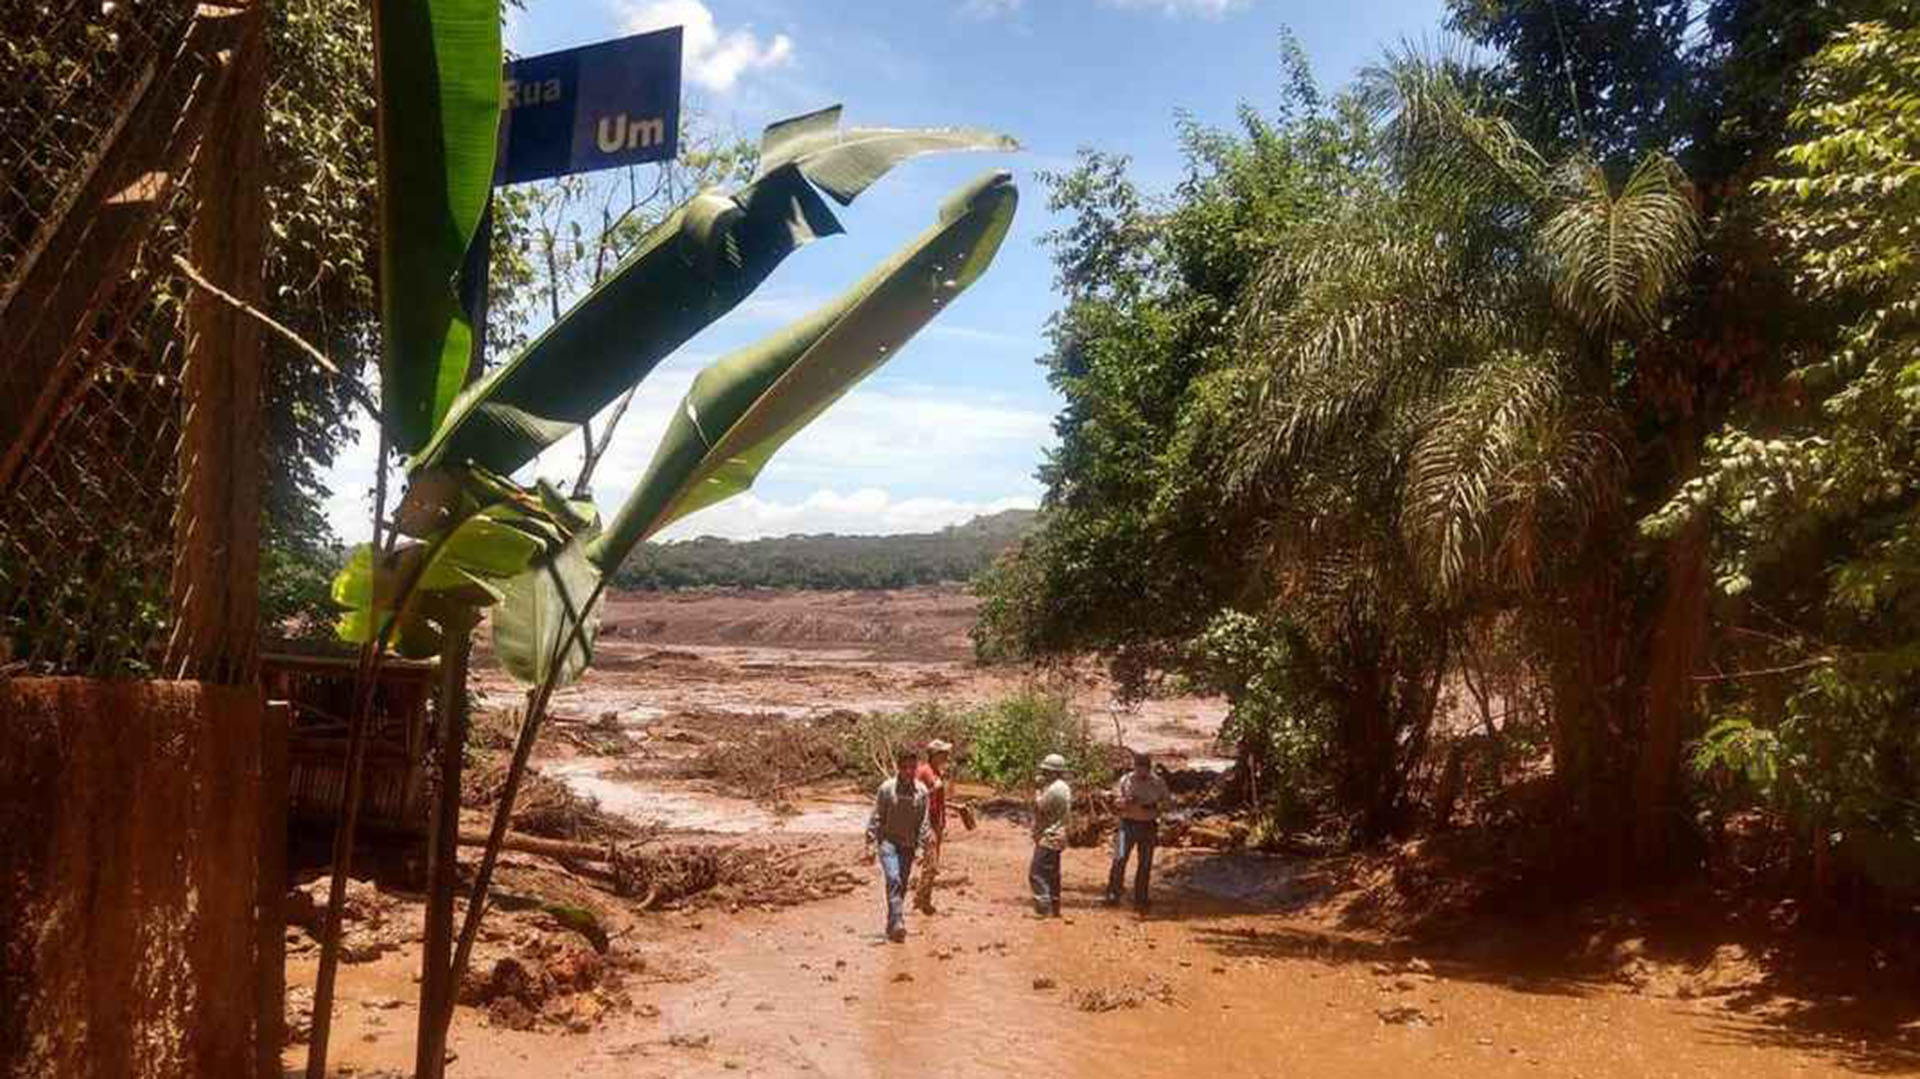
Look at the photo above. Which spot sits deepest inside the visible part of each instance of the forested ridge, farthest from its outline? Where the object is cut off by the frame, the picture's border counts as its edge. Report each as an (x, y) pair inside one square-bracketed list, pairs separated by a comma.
[(951, 555), (1538, 410)]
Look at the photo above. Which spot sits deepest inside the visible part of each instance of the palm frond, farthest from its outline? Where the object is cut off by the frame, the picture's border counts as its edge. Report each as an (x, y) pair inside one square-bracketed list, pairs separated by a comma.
[(1511, 454), (1443, 139), (1355, 320), (1613, 258)]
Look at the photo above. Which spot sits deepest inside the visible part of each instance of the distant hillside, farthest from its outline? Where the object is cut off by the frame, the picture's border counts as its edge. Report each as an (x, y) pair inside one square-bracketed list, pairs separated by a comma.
[(826, 561)]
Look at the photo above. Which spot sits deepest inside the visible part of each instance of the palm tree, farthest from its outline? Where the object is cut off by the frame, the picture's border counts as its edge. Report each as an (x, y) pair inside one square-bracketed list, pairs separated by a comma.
[(1453, 345)]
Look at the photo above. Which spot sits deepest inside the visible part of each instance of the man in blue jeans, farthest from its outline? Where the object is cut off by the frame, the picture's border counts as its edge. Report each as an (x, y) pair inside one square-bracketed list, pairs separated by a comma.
[(898, 830), (1139, 799)]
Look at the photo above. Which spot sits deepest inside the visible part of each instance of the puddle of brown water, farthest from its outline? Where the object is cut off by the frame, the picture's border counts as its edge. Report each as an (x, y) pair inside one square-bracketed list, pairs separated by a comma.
[(683, 808)]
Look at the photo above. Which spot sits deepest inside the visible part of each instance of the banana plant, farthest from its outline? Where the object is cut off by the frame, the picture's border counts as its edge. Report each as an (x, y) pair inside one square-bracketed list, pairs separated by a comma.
[(693, 267), (473, 539), (687, 271), (742, 409), (437, 66)]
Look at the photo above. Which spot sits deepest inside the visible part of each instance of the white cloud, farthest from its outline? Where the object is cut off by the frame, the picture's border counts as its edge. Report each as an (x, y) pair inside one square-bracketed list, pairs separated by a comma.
[(713, 58), (869, 511), (1210, 9), (780, 304), (990, 9)]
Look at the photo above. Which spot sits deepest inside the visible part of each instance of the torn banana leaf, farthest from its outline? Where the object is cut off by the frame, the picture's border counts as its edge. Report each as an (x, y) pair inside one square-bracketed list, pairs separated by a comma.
[(749, 403)]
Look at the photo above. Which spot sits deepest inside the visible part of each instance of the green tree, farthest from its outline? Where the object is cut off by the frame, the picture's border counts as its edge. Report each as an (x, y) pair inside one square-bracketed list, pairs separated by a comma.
[(1146, 552), (1814, 501)]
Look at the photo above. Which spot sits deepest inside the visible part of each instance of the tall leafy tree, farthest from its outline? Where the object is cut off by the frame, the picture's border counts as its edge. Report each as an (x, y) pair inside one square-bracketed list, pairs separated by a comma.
[(1813, 497)]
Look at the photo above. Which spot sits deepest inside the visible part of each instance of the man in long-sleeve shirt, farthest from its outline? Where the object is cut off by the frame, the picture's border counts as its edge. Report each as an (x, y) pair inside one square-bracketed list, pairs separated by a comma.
[(899, 829), (1051, 808)]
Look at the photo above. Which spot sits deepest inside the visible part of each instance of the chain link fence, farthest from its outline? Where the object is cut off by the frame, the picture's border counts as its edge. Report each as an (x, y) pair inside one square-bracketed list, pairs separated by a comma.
[(90, 394)]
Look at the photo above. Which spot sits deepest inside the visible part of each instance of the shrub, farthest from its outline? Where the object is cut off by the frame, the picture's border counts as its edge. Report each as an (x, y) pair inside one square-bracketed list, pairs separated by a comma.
[(1013, 734), (1000, 743), (871, 741)]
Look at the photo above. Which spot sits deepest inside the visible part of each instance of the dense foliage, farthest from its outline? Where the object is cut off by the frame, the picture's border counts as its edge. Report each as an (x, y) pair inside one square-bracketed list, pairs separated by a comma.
[(1814, 501), (828, 561), (1398, 418)]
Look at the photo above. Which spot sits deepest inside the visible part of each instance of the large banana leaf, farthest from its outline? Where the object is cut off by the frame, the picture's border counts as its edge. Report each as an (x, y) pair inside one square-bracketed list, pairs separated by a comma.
[(749, 403), (688, 271), (533, 624), (438, 84), (499, 535), (845, 163)]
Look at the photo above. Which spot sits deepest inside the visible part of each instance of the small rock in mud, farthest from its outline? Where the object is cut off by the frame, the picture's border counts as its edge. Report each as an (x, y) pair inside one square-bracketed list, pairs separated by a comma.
[(510, 1013), (1104, 999), (299, 1015), (380, 1004), (370, 923), (903, 976), (1043, 982), (690, 1041), (584, 1014), (1406, 1015)]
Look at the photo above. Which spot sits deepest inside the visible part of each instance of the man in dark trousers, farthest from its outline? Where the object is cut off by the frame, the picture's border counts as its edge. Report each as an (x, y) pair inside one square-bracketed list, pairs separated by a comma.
[(1139, 799), (898, 830), (1052, 820)]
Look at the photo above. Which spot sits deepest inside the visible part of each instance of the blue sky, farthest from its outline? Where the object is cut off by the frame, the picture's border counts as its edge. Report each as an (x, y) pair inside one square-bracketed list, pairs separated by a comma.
[(957, 423)]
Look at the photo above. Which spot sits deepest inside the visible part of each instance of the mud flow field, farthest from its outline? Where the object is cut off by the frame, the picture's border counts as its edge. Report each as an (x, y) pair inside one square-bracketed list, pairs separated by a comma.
[(709, 910)]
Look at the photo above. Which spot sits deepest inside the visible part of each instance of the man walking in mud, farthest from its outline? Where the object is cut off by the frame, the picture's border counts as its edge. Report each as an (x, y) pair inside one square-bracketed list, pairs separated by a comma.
[(898, 830), (933, 776), (1138, 799), (1050, 810)]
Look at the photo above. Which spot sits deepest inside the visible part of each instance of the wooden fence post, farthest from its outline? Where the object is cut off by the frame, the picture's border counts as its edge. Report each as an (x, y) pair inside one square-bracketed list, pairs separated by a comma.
[(217, 528)]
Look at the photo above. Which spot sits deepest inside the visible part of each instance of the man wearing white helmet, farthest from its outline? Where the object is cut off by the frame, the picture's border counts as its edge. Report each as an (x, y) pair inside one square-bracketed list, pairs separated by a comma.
[(1050, 811)]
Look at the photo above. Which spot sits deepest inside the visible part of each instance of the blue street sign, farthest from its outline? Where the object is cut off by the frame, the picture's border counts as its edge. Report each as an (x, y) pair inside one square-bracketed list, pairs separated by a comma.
[(597, 107)]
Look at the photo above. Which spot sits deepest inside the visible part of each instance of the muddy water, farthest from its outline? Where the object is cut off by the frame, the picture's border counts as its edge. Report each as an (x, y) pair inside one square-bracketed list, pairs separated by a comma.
[(817, 992), (682, 807)]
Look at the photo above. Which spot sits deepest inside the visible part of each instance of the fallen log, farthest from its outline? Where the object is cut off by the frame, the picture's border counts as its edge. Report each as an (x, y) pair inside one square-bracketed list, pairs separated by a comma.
[(533, 844)]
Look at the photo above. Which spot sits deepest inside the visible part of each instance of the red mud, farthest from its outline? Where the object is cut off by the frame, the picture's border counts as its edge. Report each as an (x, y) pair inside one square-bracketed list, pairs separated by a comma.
[(1249, 965)]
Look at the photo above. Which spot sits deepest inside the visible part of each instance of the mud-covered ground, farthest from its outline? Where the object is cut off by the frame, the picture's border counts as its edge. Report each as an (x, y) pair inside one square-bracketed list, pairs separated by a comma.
[(1250, 965)]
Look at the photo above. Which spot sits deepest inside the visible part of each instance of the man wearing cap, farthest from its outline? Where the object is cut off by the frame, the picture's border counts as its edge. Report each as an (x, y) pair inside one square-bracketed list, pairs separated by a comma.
[(1050, 810), (1138, 798), (932, 776), (896, 832)]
